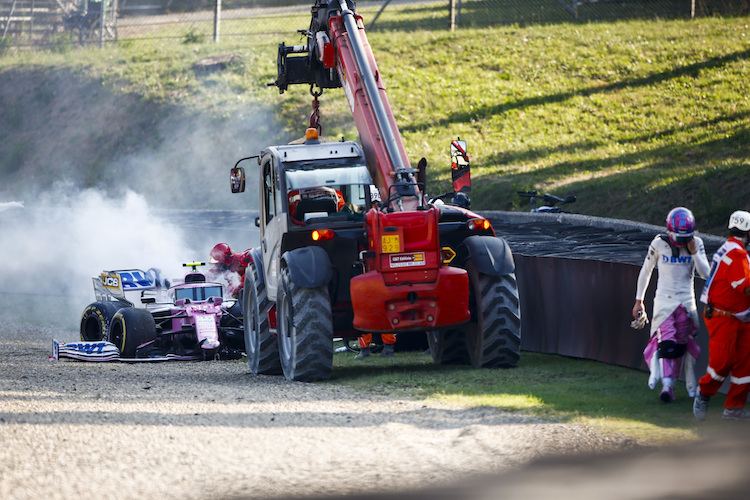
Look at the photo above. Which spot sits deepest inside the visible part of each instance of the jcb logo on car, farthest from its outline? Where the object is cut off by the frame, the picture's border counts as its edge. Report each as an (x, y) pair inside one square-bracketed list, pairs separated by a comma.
[(111, 281)]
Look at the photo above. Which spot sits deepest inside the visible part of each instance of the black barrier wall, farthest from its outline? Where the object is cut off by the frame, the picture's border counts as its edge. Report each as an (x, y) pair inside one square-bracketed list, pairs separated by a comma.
[(582, 308)]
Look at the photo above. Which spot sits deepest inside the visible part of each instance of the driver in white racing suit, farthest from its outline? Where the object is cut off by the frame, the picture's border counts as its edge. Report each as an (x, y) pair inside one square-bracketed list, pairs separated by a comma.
[(677, 254)]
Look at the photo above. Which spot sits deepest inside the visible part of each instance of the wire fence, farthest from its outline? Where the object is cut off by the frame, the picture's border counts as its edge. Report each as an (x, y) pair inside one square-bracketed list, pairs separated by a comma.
[(32, 23)]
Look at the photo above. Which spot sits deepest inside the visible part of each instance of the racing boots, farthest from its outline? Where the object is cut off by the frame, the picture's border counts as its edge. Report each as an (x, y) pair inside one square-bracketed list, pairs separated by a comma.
[(667, 394)]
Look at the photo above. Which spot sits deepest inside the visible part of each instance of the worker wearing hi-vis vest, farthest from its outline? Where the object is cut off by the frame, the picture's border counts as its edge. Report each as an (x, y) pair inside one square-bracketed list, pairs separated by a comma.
[(727, 316)]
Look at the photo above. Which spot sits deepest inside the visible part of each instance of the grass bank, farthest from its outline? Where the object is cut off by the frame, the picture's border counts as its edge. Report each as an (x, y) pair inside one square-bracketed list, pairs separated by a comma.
[(633, 117)]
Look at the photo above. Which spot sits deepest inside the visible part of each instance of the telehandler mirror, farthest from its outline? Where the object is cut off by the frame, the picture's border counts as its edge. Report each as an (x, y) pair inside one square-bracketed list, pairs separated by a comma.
[(237, 179), (460, 167)]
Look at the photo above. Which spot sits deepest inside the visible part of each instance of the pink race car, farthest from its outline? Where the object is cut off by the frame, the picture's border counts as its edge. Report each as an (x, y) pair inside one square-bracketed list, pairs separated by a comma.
[(146, 318)]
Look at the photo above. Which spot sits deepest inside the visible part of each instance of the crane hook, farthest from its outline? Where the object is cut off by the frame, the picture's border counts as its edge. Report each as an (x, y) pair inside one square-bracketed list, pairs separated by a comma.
[(315, 116)]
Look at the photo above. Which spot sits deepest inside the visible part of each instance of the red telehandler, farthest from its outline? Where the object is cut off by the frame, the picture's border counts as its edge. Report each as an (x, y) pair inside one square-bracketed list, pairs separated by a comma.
[(350, 243)]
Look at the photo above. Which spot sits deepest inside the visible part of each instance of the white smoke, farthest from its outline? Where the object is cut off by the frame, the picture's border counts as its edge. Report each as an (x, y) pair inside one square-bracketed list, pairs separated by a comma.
[(50, 250), (133, 218)]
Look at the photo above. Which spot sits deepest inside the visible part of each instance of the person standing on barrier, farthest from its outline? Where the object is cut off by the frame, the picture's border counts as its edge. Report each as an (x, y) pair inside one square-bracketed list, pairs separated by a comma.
[(727, 316), (677, 254)]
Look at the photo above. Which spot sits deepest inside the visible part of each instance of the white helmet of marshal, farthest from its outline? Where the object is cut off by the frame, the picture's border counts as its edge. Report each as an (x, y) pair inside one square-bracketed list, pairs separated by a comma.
[(740, 220)]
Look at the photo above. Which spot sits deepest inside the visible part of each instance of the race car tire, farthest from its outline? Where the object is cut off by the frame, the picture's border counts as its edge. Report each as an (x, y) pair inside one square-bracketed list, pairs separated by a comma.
[(130, 328), (493, 335), (261, 346), (96, 318), (305, 329), (448, 347)]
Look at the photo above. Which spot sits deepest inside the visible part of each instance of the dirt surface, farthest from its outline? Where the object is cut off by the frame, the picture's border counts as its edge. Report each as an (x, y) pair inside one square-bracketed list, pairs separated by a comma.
[(211, 430)]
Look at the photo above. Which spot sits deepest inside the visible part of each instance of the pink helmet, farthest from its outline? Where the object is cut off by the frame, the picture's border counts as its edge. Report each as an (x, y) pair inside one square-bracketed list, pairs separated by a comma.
[(680, 225), (221, 253)]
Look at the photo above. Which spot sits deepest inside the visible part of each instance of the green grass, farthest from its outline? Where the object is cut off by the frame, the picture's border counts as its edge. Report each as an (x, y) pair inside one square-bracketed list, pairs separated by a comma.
[(634, 117), (609, 398)]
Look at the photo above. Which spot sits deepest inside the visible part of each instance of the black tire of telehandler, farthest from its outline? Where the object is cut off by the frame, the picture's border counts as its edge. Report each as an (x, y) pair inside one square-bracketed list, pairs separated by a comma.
[(231, 331), (96, 318), (261, 346), (305, 328), (130, 328), (493, 336), (448, 347)]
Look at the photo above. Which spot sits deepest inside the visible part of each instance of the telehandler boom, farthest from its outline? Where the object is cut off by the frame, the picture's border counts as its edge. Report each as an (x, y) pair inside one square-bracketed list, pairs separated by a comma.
[(350, 243)]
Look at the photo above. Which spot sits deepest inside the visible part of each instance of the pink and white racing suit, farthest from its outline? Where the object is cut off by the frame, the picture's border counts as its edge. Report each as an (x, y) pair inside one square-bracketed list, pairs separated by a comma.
[(675, 317)]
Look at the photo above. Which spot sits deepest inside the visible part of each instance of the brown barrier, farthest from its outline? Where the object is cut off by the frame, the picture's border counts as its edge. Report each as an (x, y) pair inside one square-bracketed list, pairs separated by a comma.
[(582, 308)]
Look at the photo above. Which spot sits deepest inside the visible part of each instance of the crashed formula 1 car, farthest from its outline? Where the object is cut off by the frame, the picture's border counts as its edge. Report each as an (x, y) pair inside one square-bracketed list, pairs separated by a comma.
[(139, 316)]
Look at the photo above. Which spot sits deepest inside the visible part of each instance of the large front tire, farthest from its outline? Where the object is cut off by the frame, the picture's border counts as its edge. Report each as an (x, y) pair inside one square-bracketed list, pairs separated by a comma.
[(305, 331), (131, 328), (96, 318), (493, 336), (261, 346)]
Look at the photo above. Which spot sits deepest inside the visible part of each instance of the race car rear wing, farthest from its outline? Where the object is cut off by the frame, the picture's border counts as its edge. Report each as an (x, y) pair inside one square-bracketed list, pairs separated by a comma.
[(112, 285)]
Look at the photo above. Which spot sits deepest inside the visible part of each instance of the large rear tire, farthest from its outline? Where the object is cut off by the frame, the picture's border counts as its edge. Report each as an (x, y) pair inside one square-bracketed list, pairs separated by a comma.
[(131, 328), (493, 336), (261, 346), (96, 318), (305, 331), (448, 347)]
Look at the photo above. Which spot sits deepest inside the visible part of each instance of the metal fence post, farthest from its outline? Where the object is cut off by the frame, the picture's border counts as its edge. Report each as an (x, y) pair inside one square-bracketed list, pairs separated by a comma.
[(217, 20), (102, 11)]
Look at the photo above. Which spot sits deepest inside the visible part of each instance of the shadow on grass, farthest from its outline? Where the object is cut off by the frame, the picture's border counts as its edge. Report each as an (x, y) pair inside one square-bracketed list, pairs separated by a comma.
[(732, 146), (523, 104), (701, 167)]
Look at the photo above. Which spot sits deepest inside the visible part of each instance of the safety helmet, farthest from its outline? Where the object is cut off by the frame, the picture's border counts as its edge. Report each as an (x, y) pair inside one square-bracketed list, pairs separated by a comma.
[(740, 220), (680, 226), (221, 253)]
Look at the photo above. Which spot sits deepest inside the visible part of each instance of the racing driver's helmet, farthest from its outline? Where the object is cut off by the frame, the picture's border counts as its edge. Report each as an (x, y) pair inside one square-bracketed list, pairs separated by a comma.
[(680, 226), (221, 254)]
